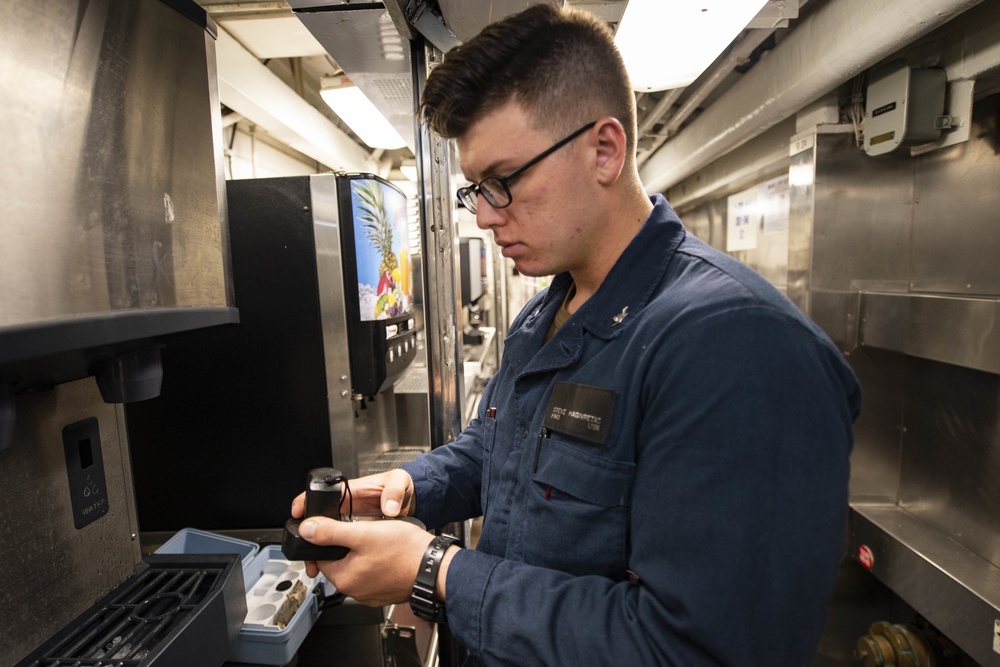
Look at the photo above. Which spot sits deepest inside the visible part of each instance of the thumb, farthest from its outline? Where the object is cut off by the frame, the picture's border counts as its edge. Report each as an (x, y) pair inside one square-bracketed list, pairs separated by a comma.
[(396, 493), (325, 531)]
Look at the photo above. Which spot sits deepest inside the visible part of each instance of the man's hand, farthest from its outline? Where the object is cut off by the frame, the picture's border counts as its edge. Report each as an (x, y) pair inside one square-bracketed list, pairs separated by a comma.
[(385, 494), (382, 564)]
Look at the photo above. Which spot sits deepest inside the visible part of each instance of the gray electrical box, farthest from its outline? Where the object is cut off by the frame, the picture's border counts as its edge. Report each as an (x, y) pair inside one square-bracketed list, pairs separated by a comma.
[(903, 107)]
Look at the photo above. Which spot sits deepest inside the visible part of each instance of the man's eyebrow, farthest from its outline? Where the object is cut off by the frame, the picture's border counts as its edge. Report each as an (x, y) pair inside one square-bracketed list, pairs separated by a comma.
[(493, 170)]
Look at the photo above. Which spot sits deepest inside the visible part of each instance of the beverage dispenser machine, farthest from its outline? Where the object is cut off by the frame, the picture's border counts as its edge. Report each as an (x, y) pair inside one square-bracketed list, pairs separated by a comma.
[(322, 271), (113, 242)]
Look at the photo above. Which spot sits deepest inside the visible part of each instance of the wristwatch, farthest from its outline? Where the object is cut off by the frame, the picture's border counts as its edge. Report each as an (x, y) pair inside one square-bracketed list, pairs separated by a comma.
[(424, 602)]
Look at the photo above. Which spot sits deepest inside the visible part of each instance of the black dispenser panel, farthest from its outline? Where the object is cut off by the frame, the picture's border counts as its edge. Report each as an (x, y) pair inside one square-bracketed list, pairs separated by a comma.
[(85, 469)]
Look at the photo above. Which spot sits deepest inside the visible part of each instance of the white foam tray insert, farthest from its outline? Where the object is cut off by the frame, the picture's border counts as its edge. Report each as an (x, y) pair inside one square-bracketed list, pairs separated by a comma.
[(269, 593)]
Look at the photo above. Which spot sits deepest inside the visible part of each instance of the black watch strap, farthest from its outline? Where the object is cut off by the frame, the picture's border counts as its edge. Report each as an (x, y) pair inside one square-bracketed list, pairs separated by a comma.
[(424, 602)]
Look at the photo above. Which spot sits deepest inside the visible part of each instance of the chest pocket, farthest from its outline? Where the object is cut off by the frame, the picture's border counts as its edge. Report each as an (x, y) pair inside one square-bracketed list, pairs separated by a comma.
[(578, 510)]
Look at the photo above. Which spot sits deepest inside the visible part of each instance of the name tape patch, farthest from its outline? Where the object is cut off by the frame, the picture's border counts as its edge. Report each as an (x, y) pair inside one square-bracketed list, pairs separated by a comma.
[(581, 411)]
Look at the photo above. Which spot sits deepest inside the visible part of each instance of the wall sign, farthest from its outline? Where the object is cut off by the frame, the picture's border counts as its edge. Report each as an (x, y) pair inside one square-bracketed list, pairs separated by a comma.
[(762, 209)]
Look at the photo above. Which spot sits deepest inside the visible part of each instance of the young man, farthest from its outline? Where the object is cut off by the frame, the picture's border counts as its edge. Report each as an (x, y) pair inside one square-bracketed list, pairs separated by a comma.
[(661, 461)]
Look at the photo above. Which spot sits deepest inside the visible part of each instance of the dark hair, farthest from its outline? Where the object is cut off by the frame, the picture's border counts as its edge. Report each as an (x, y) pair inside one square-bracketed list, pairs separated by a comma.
[(560, 64)]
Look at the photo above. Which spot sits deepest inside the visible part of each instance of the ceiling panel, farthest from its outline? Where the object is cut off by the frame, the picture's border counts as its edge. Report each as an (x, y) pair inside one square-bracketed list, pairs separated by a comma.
[(274, 36), (466, 17), (366, 44)]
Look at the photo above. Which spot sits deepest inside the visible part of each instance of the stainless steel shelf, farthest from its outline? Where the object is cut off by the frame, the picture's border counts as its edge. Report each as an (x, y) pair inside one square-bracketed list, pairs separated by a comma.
[(955, 589), (964, 331)]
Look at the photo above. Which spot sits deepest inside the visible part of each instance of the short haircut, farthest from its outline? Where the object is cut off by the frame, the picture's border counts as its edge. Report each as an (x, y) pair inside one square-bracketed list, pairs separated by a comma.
[(561, 65)]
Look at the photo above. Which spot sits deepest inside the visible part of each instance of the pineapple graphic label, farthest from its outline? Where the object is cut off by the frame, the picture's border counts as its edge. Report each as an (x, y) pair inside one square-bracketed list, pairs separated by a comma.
[(380, 238)]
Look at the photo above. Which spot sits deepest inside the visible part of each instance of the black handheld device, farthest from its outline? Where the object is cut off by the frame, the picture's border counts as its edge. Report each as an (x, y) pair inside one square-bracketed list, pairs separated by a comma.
[(325, 492)]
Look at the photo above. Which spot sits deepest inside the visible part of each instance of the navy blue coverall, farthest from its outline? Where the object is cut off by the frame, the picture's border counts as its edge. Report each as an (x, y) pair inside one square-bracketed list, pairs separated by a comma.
[(663, 483)]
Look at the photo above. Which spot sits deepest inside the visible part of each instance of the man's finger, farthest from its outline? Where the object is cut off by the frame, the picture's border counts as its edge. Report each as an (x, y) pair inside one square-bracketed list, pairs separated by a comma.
[(398, 487), (299, 505)]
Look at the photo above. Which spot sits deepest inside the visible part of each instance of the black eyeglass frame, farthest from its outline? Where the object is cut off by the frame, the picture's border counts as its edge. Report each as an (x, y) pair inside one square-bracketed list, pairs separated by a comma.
[(469, 195)]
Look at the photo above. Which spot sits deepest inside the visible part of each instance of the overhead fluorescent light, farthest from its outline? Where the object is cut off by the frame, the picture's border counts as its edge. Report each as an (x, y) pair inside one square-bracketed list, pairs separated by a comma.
[(410, 171), (669, 44), (351, 105)]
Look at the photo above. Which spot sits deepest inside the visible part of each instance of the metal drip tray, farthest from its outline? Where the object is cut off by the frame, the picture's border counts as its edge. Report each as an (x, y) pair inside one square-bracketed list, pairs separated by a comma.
[(177, 609), (393, 459)]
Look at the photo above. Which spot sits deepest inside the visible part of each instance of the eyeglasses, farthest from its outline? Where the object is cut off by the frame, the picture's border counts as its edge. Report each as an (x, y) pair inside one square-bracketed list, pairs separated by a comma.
[(496, 190)]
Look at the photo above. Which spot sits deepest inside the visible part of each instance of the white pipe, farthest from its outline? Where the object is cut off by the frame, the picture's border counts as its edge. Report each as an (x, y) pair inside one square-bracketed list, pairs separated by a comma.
[(707, 83), (255, 92), (842, 39)]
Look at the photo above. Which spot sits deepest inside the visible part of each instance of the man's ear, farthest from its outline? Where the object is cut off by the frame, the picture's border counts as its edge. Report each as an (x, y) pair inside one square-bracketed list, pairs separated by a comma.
[(611, 147)]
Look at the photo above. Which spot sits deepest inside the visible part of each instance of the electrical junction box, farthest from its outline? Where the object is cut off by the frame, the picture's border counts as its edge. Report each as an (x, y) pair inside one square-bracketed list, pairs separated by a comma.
[(904, 106)]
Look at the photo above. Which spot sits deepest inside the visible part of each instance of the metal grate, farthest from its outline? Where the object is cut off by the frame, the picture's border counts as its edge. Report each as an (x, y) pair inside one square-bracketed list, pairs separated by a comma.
[(413, 381), (393, 459), (135, 623)]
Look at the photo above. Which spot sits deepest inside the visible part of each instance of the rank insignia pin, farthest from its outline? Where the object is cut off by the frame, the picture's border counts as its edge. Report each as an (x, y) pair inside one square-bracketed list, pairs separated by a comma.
[(617, 319)]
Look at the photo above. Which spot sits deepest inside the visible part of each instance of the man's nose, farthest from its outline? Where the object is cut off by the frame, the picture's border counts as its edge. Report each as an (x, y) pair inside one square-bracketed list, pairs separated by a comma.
[(486, 215)]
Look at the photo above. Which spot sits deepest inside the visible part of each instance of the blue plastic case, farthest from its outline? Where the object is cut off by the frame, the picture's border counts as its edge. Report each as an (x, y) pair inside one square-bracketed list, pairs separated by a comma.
[(194, 541), (260, 641)]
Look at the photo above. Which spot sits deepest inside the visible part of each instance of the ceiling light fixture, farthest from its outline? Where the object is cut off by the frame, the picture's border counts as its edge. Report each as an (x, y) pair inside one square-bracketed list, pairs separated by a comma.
[(364, 119), (669, 44), (410, 171)]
